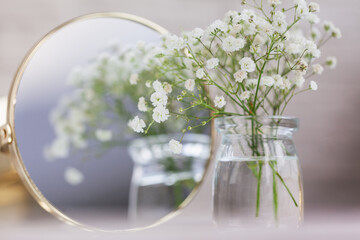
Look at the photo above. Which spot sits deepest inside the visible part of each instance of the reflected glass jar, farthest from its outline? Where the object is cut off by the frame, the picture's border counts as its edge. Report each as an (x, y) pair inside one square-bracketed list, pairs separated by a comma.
[(257, 180), (162, 180)]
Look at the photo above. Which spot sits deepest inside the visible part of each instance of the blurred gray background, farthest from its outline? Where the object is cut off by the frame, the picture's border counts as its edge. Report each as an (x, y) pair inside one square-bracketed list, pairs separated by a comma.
[(329, 135)]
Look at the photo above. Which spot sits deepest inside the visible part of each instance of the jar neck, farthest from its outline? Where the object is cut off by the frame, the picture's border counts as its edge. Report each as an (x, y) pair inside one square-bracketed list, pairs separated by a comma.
[(154, 149), (275, 127)]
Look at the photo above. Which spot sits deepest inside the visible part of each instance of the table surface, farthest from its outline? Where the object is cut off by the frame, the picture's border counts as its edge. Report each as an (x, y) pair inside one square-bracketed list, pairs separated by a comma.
[(22, 218), (32, 222)]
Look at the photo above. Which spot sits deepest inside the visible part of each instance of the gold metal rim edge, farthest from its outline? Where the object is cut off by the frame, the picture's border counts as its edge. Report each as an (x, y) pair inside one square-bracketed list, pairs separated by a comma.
[(16, 156)]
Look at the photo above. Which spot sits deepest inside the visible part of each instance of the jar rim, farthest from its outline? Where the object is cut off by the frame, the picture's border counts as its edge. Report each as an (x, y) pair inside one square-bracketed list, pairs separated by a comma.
[(249, 117), (165, 138), (224, 124)]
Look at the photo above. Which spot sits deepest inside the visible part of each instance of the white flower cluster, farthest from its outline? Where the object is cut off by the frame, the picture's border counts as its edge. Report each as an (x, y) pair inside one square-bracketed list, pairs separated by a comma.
[(329, 27), (160, 113), (159, 100), (274, 3), (255, 60), (250, 57), (231, 44), (137, 124), (175, 146), (81, 116), (73, 176), (69, 126), (219, 101)]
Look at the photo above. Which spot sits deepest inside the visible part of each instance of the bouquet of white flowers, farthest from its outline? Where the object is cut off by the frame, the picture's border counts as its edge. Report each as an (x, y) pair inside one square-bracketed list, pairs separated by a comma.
[(92, 118), (256, 62), (105, 95), (250, 63)]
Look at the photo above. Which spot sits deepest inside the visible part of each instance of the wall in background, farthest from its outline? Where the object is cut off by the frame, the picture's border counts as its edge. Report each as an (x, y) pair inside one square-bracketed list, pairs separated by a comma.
[(329, 134)]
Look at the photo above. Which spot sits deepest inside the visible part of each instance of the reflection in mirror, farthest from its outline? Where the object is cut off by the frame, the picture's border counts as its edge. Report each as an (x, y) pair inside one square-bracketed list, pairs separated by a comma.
[(77, 135)]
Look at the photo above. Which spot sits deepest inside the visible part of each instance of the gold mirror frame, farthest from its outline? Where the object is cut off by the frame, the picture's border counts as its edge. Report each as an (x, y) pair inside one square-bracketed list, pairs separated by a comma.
[(8, 144)]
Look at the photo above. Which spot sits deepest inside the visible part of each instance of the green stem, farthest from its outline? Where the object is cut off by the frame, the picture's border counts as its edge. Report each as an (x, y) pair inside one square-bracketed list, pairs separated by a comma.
[(283, 183), (275, 197), (178, 194), (258, 189), (265, 95)]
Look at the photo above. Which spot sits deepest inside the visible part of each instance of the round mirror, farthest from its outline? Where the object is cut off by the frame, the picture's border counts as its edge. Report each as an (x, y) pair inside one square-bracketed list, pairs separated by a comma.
[(76, 93)]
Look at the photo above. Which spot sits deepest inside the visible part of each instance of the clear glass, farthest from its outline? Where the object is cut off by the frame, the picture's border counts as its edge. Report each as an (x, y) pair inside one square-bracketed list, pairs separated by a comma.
[(257, 180), (162, 180)]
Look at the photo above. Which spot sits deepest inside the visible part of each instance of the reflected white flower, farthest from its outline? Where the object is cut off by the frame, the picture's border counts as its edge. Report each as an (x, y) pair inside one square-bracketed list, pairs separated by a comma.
[(103, 135), (331, 62), (190, 84), (212, 63), (73, 176), (317, 69), (157, 85), (76, 76), (137, 124), (88, 94), (134, 78), (140, 45), (142, 105), (247, 64), (245, 95), (219, 101), (175, 146), (167, 88), (159, 99), (59, 148), (160, 114), (78, 141), (240, 76), (313, 86), (200, 73)]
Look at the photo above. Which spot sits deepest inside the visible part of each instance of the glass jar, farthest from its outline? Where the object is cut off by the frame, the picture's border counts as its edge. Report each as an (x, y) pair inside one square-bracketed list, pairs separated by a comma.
[(162, 180), (257, 180)]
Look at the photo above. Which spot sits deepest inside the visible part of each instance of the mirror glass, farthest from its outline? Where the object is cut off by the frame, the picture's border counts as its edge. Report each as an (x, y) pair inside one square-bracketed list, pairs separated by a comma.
[(77, 92)]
